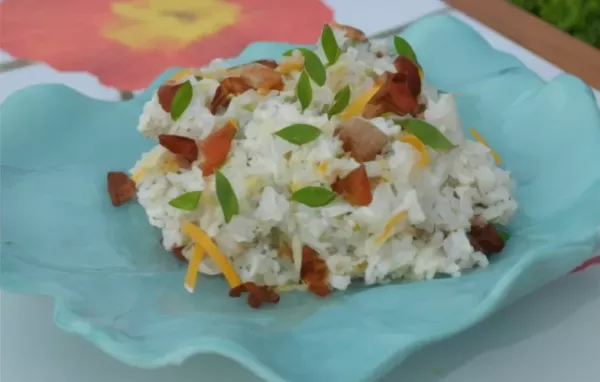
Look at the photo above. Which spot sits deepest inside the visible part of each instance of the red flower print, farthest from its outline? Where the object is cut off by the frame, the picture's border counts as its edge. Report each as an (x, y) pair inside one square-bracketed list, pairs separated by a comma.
[(127, 43)]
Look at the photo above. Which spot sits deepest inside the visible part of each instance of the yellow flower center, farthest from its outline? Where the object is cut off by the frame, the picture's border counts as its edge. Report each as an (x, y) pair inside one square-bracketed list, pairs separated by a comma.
[(167, 25)]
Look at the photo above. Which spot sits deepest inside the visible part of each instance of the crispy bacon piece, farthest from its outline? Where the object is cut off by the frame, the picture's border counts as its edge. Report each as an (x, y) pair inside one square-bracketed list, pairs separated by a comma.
[(166, 93), (176, 251), (361, 139), (355, 188), (257, 295), (399, 93), (485, 238), (120, 187), (351, 32), (184, 148), (411, 71), (215, 148), (314, 272), (229, 87), (259, 75), (271, 64)]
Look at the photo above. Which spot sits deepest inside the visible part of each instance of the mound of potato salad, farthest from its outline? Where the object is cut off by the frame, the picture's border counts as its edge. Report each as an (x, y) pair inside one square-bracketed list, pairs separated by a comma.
[(326, 167)]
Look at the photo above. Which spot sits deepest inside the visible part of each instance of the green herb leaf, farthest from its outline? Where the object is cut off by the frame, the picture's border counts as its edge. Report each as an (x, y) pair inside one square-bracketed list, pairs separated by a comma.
[(330, 45), (340, 101), (188, 201), (313, 66), (288, 53), (304, 91), (182, 99), (504, 235), (404, 49), (428, 134), (299, 133), (198, 78), (226, 196), (314, 196)]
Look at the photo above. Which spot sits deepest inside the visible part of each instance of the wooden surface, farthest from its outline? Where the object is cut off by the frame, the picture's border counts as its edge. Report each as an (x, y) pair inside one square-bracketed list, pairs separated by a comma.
[(564, 51)]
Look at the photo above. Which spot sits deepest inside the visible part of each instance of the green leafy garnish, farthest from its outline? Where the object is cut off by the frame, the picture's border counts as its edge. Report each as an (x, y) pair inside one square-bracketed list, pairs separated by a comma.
[(182, 99), (330, 45), (504, 235), (226, 196), (299, 133), (314, 196), (288, 53), (188, 201), (404, 49), (340, 101), (313, 66), (198, 78), (427, 133), (304, 91)]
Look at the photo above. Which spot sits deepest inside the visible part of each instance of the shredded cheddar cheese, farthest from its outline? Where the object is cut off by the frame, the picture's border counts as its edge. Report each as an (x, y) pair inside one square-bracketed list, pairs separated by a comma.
[(322, 167), (480, 139), (234, 122), (391, 224), (417, 144), (201, 238), (290, 66), (138, 175), (192, 272), (357, 106)]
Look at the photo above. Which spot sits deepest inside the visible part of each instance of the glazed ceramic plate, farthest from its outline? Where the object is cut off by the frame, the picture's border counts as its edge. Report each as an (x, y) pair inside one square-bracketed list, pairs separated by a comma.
[(114, 285)]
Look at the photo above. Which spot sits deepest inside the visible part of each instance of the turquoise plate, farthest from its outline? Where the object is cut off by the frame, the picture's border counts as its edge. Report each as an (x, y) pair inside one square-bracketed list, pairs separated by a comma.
[(115, 286)]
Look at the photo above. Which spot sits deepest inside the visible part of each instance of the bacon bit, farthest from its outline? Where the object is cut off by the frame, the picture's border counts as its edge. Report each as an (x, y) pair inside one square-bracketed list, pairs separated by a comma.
[(351, 32), (355, 188), (258, 76), (215, 148), (485, 238), (361, 139), (229, 87), (314, 272), (178, 253), (399, 93), (184, 147), (120, 188), (257, 295), (411, 71), (166, 93), (271, 64)]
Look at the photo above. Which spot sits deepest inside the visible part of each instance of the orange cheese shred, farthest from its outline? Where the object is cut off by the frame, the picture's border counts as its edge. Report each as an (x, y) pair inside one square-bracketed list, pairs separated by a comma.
[(391, 224), (201, 238), (417, 144), (357, 106), (480, 139), (192, 272)]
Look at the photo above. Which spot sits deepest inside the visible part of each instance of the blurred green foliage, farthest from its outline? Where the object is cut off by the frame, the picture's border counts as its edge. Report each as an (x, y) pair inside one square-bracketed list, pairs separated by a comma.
[(579, 18)]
